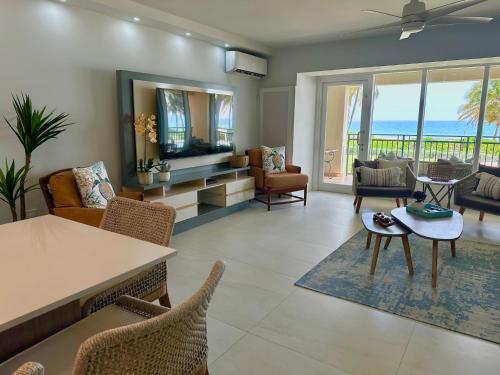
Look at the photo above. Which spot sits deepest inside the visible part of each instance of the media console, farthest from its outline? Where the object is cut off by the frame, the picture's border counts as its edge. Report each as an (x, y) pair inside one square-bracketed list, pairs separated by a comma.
[(196, 202)]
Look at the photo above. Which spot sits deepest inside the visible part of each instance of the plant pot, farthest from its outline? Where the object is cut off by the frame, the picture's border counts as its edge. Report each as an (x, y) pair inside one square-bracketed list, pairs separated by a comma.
[(145, 178), (164, 176)]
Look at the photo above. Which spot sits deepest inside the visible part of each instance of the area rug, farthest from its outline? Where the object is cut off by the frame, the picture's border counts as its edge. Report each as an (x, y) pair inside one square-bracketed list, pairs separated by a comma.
[(466, 300)]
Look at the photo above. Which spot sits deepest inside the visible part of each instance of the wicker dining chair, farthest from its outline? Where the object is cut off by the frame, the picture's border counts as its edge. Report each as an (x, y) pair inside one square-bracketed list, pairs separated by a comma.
[(30, 368), (163, 341), (144, 221)]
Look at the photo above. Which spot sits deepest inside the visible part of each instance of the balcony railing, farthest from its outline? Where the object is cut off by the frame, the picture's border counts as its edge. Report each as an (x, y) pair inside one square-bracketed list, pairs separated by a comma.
[(176, 136), (434, 147)]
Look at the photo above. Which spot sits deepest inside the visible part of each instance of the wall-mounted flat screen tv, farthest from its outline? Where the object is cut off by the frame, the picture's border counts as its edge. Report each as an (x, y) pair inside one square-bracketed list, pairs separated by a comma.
[(193, 123)]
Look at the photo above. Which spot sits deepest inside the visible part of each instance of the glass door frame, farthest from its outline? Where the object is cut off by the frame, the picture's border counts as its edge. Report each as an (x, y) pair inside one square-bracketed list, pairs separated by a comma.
[(366, 81)]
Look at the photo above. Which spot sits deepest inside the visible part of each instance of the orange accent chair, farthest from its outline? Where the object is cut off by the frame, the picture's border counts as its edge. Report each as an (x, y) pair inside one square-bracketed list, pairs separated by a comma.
[(283, 183), (63, 198)]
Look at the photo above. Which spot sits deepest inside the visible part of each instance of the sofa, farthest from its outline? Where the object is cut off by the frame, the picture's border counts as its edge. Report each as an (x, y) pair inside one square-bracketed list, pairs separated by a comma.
[(276, 183), (63, 198), (464, 197), (396, 192)]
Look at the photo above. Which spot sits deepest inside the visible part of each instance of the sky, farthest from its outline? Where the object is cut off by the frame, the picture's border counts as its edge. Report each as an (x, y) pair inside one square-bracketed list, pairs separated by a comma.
[(400, 102)]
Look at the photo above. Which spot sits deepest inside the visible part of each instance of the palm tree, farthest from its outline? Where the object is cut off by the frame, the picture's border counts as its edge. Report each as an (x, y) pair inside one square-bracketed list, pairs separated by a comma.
[(470, 111), (33, 127)]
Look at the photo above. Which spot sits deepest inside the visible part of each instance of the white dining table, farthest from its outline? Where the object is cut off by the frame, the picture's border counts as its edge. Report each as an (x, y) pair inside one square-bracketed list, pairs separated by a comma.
[(48, 262)]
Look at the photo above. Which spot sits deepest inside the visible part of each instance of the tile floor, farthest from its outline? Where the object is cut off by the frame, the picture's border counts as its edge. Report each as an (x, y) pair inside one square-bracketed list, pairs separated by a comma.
[(260, 323)]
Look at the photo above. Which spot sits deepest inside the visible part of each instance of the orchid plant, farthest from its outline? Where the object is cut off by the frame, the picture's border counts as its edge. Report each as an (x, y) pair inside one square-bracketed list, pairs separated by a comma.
[(146, 126)]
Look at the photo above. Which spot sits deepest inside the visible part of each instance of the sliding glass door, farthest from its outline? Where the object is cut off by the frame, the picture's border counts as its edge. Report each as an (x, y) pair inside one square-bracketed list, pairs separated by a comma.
[(429, 114), (490, 142), (394, 124), (450, 128), (343, 132)]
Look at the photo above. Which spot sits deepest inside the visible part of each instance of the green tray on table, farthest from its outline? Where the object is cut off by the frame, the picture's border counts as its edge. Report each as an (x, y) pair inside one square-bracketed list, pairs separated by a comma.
[(430, 211)]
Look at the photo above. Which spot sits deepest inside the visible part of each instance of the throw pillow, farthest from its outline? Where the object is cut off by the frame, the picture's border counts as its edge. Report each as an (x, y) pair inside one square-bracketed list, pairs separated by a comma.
[(94, 185), (489, 186), (273, 159), (380, 177), (401, 164)]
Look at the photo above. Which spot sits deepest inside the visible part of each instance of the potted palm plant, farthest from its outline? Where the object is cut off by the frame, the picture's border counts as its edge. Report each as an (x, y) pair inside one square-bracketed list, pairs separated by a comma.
[(146, 127), (33, 127), (10, 186)]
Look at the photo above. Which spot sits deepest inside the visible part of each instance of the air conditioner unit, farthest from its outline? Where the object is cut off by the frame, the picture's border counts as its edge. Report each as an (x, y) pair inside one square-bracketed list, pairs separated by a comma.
[(243, 63)]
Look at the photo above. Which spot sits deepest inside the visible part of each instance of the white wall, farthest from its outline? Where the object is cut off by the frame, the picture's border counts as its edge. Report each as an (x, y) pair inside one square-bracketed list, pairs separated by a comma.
[(304, 123), (66, 58), (433, 44)]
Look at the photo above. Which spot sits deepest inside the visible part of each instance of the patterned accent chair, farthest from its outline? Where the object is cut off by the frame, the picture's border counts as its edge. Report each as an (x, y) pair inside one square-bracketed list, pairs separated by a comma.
[(130, 337), (63, 198), (284, 183), (397, 192), (465, 199)]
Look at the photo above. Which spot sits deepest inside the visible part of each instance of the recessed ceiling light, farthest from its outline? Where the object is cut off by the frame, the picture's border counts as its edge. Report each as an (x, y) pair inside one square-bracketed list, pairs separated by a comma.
[(226, 45), (62, 1), (136, 19), (188, 34)]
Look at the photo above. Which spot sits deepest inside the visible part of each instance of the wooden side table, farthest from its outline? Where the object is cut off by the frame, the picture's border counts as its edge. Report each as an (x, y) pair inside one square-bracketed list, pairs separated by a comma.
[(380, 232)]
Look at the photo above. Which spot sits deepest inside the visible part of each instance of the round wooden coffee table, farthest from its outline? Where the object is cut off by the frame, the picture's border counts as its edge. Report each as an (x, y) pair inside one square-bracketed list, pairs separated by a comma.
[(380, 232), (446, 229)]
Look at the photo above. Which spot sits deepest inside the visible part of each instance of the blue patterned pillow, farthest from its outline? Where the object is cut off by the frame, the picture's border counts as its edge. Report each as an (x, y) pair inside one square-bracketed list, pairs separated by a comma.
[(273, 159), (94, 185)]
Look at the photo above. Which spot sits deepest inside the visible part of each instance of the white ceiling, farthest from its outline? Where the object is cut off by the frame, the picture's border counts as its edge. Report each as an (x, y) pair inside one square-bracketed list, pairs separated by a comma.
[(278, 23)]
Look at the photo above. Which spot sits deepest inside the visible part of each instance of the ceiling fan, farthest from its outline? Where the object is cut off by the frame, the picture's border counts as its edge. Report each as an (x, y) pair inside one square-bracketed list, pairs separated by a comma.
[(415, 16)]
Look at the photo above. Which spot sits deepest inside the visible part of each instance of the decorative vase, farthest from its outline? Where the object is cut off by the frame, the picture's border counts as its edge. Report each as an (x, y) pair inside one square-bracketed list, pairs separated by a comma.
[(145, 178), (419, 205), (164, 176)]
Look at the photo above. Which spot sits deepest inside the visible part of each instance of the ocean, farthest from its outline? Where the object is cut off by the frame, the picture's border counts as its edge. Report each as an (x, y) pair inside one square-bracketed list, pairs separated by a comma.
[(437, 128)]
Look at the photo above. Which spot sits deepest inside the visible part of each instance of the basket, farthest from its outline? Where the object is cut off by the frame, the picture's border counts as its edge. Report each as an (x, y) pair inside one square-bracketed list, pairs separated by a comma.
[(441, 172), (238, 161)]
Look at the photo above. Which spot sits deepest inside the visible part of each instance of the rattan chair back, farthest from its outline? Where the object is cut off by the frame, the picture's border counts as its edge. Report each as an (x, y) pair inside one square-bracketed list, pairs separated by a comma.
[(142, 220), (174, 342)]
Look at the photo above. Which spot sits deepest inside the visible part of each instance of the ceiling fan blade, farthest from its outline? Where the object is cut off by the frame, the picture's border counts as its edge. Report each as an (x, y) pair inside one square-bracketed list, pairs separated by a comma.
[(457, 20), (405, 35), (386, 26), (449, 8), (378, 12)]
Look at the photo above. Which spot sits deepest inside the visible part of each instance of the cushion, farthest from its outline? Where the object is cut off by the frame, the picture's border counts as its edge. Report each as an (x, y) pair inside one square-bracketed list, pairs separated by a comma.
[(57, 353), (489, 186), (255, 157), (389, 156), (384, 192), (401, 164), (284, 180), (366, 163), (380, 177), (94, 185), (64, 190), (476, 202), (491, 170), (273, 159)]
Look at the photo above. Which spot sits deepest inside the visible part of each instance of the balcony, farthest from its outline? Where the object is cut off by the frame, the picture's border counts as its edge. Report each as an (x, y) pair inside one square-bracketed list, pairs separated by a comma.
[(434, 147)]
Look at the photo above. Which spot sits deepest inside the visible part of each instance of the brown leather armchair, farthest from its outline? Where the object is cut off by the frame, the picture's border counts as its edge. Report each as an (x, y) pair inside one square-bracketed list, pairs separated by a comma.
[(276, 183), (63, 199)]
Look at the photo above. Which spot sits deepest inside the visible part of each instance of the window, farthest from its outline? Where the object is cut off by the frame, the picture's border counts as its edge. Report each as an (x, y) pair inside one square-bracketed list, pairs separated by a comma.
[(490, 142), (395, 114), (223, 119), (449, 132)]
